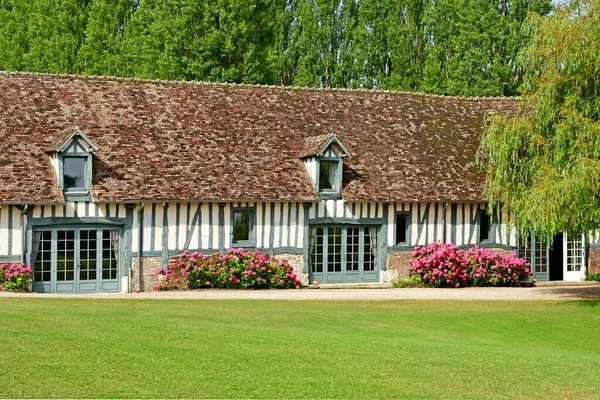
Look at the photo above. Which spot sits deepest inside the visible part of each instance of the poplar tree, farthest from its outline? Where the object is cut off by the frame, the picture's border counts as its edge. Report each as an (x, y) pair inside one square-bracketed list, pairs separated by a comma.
[(101, 51), (41, 35), (215, 40), (544, 163)]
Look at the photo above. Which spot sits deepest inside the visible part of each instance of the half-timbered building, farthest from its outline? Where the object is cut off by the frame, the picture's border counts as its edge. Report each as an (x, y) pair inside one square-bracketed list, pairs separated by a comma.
[(103, 180)]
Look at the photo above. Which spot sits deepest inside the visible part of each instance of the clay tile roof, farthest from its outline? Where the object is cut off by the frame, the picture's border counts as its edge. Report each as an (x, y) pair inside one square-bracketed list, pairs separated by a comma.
[(161, 141)]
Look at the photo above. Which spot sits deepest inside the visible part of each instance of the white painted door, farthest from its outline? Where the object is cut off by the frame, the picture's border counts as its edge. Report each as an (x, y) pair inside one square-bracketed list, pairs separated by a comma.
[(573, 257)]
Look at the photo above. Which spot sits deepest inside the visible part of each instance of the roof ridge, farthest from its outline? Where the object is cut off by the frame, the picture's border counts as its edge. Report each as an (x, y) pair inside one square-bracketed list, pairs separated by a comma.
[(254, 85)]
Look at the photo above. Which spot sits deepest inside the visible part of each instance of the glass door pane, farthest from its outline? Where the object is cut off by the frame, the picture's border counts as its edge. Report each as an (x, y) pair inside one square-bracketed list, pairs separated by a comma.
[(370, 249), (316, 250), (352, 249), (42, 253), (88, 255), (110, 254), (334, 249), (65, 256)]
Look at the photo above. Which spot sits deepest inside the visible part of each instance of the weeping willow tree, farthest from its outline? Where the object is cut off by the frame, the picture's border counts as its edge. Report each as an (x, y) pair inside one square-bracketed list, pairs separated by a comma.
[(543, 163)]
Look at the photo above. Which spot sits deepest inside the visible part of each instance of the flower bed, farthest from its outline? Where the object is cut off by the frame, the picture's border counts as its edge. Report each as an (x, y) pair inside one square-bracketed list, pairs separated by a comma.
[(15, 277), (236, 269), (595, 275), (446, 265)]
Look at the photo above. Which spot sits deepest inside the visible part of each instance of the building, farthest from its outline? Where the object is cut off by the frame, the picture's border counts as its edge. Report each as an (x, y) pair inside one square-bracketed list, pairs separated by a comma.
[(103, 180)]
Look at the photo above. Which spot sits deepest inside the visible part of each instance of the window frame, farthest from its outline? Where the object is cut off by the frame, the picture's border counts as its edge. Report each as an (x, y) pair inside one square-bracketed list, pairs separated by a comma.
[(328, 194), (86, 187), (408, 228), (87, 178), (251, 242)]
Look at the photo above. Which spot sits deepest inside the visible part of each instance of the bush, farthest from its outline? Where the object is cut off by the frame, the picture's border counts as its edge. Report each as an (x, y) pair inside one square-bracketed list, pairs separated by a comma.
[(401, 283), (594, 276), (488, 268), (15, 277), (445, 265), (237, 269), (439, 265), (166, 280)]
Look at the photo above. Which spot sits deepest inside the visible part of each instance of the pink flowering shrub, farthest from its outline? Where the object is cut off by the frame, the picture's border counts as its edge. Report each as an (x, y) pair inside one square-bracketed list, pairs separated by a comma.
[(595, 275), (236, 269), (489, 268), (15, 277), (446, 265), (166, 280), (439, 265)]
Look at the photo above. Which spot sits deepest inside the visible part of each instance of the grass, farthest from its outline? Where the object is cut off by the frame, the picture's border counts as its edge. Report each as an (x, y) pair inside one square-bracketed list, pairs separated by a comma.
[(276, 349)]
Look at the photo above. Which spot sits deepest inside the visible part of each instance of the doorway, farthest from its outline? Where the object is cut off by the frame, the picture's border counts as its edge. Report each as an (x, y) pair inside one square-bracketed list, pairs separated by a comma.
[(556, 258)]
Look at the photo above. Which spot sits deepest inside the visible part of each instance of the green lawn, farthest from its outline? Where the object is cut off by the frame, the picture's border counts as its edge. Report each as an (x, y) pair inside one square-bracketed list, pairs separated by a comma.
[(274, 349)]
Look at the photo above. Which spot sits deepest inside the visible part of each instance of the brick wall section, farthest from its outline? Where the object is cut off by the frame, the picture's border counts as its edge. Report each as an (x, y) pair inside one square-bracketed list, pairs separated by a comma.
[(594, 259), (503, 251), (149, 277), (399, 262)]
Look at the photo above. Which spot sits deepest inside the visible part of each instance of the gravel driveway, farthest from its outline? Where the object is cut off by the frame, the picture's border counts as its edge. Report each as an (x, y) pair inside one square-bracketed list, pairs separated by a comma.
[(584, 292)]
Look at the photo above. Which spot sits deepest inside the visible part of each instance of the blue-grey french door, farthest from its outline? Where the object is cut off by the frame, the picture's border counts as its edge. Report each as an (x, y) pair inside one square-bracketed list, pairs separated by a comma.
[(344, 254), (76, 260)]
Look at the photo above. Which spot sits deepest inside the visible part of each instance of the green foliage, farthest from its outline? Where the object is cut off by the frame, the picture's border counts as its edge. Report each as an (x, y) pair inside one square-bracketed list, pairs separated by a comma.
[(401, 283), (41, 35), (595, 275), (225, 40), (460, 47), (544, 164), (101, 53)]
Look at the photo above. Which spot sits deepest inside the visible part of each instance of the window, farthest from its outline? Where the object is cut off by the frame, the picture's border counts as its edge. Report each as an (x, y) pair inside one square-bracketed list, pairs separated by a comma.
[(243, 228), (327, 175), (484, 226), (402, 226), (74, 173)]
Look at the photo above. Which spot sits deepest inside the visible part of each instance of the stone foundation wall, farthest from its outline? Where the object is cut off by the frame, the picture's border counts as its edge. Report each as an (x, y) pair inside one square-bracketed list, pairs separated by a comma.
[(295, 260), (593, 259), (11, 262), (149, 277), (397, 266)]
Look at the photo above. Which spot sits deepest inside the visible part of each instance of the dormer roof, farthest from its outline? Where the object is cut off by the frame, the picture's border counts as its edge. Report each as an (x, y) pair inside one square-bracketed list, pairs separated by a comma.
[(65, 138), (317, 146)]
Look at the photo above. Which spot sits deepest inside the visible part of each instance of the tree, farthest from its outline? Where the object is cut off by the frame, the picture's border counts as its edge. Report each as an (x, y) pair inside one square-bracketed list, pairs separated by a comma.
[(212, 40), (100, 53), (543, 164), (41, 35)]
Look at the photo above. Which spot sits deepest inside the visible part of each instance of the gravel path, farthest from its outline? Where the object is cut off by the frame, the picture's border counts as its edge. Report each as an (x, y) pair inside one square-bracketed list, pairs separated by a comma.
[(587, 292)]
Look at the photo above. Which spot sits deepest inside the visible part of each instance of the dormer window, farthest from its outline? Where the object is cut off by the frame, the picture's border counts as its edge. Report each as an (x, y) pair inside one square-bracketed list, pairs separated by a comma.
[(74, 174), (71, 155), (323, 157), (328, 171)]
